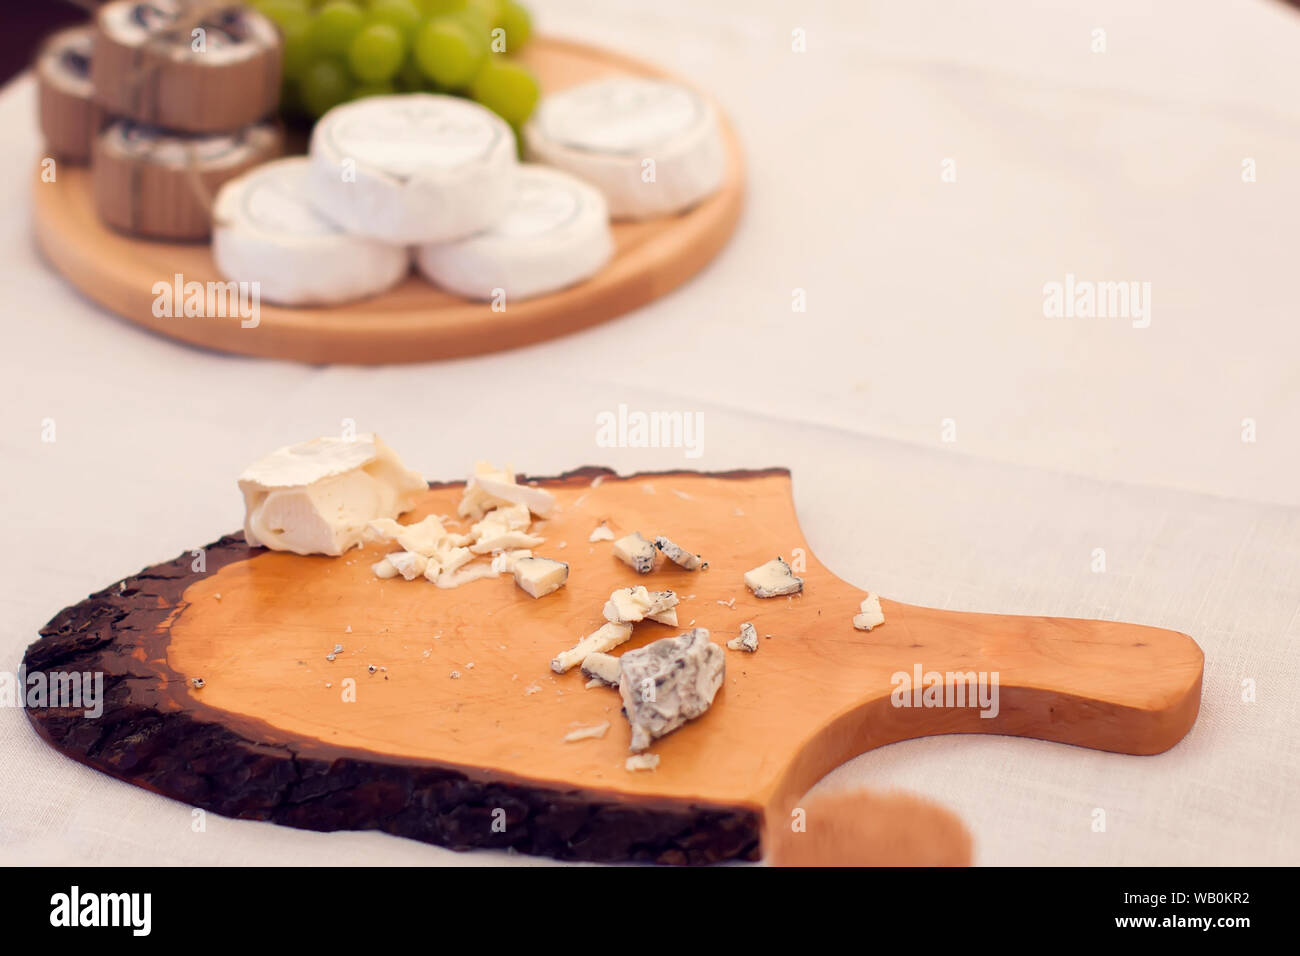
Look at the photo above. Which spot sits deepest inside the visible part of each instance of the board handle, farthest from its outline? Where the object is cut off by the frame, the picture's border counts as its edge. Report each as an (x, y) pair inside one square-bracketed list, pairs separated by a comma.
[(1108, 685)]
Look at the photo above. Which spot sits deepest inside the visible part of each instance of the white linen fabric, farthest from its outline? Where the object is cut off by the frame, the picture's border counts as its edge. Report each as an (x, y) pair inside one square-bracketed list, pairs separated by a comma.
[(950, 444)]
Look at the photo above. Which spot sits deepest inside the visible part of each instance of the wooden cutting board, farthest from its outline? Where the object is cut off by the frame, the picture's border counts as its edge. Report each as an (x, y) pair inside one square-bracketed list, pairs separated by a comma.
[(413, 322), (479, 759)]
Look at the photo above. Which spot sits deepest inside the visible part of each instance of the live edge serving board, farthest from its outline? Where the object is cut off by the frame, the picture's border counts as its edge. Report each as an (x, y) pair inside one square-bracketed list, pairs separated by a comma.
[(479, 760), (413, 322)]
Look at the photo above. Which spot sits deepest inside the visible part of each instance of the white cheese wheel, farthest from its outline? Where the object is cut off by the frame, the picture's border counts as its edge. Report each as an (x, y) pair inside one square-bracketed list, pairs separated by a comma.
[(555, 233), (70, 118), (267, 231), (652, 147), (412, 168)]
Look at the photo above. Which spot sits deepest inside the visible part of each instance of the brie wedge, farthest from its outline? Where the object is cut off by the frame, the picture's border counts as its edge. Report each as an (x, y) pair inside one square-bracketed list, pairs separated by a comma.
[(555, 234), (318, 497), (654, 148), (773, 579), (267, 231), (412, 168)]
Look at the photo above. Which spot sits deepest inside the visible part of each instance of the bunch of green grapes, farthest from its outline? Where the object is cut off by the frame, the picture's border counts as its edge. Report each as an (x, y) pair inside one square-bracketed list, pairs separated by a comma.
[(339, 50)]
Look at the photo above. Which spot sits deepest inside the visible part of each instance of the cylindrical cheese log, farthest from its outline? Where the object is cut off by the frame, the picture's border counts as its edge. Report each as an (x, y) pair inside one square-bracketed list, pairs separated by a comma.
[(267, 232), (652, 147), (555, 233), (412, 168), (149, 182), (152, 64), (70, 117)]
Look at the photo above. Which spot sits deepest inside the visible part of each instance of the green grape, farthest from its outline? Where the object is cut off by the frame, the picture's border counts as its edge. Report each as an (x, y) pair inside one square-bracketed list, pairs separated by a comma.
[(489, 11), (376, 53), (448, 53), (373, 89), (336, 24), (438, 8), (278, 11), (506, 88), (517, 24), (410, 78), (403, 14), (324, 85), (297, 54)]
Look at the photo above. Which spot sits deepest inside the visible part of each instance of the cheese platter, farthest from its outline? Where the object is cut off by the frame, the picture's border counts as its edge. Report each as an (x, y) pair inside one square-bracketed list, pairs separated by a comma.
[(434, 240), (522, 674)]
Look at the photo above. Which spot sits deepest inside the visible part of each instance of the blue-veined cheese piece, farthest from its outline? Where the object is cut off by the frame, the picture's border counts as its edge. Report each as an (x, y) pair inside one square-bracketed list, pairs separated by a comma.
[(636, 552), (539, 577), (773, 579), (667, 683), (747, 640), (602, 640), (679, 555)]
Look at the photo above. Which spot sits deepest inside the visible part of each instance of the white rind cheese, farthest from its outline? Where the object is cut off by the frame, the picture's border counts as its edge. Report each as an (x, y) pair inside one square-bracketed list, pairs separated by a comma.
[(654, 148), (554, 234), (747, 641), (773, 579), (871, 616), (678, 555), (601, 533), (603, 640), (319, 496), (636, 552), (267, 231), (539, 577), (413, 168), (667, 683)]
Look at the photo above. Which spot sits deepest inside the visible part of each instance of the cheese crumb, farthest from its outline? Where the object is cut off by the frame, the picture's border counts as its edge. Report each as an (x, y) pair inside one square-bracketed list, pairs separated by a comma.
[(871, 616), (587, 733)]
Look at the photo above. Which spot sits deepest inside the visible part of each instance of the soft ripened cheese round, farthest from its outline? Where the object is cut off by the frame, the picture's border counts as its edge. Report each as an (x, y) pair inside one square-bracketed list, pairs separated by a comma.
[(267, 231), (70, 118), (412, 168), (555, 233), (652, 147), (319, 496)]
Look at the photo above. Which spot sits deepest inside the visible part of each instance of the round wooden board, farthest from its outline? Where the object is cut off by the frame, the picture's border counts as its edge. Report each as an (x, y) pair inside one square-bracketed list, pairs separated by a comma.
[(414, 322)]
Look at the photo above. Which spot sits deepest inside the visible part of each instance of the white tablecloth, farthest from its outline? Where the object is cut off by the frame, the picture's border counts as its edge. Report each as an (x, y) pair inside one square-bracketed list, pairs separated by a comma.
[(925, 303)]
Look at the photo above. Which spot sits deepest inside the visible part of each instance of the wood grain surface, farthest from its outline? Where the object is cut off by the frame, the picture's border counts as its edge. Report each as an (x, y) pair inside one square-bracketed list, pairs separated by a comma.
[(257, 627)]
